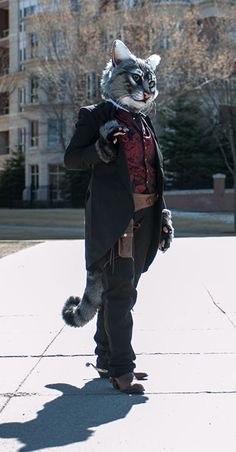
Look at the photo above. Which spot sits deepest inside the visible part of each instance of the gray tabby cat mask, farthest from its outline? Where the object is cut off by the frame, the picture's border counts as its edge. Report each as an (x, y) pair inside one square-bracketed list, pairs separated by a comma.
[(130, 81)]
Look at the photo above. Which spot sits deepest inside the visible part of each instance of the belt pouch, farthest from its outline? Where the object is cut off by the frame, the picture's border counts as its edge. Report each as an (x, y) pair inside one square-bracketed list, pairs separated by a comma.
[(125, 243)]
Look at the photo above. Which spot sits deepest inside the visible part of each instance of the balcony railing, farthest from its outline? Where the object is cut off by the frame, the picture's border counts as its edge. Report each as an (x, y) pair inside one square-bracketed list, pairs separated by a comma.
[(4, 33), (5, 150), (4, 4), (4, 71), (4, 110)]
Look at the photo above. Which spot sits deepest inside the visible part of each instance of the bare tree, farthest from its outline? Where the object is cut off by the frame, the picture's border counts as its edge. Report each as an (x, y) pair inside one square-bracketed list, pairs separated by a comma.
[(198, 53), (68, 49), (73, 43)]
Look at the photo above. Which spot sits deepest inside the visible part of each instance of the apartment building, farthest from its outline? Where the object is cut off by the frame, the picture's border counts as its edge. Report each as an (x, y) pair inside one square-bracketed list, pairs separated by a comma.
[(26, 121)]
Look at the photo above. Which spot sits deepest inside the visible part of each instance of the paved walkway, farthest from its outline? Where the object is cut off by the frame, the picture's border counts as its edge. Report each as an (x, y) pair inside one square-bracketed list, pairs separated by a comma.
[(185, 338)]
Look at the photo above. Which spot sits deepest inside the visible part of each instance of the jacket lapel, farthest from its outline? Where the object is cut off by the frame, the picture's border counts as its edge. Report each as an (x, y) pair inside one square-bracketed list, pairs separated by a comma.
[(120, 162), (159, 154)]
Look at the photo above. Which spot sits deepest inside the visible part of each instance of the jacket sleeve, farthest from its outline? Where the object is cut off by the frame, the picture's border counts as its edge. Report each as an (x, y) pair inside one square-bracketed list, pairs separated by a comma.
[(81, 152)]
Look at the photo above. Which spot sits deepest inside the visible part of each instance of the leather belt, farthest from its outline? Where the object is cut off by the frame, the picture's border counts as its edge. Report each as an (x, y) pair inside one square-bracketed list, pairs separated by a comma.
[(125, 242), (141, 201)]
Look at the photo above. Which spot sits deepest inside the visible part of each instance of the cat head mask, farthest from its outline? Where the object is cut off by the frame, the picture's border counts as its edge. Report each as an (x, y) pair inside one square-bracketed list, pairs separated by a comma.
[(130, 81)]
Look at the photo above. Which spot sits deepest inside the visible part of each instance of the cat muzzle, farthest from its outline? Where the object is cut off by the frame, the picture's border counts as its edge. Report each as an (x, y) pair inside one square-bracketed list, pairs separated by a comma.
[(146, 96)]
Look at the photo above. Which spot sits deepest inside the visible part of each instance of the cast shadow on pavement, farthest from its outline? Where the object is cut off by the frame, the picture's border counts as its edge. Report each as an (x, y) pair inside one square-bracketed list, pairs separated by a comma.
[(70, 418)]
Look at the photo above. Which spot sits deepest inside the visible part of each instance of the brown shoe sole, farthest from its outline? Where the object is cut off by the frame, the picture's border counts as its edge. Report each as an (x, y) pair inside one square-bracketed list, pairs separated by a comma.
[(129, 389)]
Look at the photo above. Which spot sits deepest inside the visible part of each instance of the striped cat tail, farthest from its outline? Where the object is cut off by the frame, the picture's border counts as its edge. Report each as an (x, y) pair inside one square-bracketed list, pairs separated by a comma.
[(76, 311)]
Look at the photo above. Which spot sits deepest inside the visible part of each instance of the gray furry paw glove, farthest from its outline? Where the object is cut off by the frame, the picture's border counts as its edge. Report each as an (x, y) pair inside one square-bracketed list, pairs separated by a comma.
[(167, 230), (106, 145)]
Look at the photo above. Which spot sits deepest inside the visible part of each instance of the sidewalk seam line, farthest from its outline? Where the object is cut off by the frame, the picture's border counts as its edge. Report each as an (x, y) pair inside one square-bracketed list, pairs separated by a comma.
[(206, 391), (85, 355), (31, 370)]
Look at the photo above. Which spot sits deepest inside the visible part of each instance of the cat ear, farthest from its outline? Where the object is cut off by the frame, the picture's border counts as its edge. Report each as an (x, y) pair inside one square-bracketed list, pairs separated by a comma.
[(120, 52), (153, 61)]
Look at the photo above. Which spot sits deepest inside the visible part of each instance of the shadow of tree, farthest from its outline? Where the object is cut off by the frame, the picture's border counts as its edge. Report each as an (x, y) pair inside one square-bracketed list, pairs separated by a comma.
[(70, 417)]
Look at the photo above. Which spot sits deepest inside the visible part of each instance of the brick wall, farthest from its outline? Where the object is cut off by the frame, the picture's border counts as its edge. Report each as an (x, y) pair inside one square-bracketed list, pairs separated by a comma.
[(218, 199)]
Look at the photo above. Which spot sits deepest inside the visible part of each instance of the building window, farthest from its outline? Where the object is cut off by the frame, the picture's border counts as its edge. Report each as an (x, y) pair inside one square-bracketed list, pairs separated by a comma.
[(132, 3), (92, 85), (21, 139), (21, 99), (34, 133), (164, 42), (22, 55), (56, 179), (56, 48), (52, 93), (55, 89), (60, 48), (4, 142), (21, 22), (74, 5), (54, 6), (24, 12), (27, 8), (33, 40), (53, 132), (4, 103), (34, 88), (55, 129), (34, 181)]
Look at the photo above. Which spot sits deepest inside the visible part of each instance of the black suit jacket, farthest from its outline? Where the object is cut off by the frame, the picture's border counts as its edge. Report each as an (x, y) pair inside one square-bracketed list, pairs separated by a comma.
[(109, 202)]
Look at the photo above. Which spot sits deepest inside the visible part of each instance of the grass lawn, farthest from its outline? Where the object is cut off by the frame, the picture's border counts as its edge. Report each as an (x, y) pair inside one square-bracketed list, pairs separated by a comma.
[(203, 223), (20, 228), (42, 217), (9, 247)]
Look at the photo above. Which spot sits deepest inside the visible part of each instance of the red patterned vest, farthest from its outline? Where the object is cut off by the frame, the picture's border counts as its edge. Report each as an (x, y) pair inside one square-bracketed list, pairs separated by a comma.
[(139, 148)]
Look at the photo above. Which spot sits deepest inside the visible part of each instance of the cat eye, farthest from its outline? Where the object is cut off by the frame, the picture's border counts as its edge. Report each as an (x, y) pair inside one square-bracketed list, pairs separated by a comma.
[(136, 77), (151, 84)]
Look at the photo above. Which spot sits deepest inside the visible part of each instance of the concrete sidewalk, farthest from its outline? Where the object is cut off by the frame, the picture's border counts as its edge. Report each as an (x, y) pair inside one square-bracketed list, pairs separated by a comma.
[(184, 337)]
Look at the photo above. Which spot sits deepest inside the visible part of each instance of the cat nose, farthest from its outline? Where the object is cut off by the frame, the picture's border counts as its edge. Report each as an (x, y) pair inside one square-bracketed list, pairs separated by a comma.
[(146, 96)]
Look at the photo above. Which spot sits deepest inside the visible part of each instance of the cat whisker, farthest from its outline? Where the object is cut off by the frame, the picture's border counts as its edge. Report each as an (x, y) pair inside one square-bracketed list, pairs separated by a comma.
[(141, 100)]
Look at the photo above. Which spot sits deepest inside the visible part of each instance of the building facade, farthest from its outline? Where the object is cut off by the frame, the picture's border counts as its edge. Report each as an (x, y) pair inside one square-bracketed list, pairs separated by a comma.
[(27, 123)]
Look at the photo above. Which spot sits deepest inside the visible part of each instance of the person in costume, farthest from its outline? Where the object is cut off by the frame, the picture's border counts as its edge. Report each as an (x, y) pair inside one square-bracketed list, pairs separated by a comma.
[(126, 219)]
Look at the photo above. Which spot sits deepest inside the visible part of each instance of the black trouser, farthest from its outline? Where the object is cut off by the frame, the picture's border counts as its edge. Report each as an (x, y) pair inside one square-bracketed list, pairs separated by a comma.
[(120, 278)]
